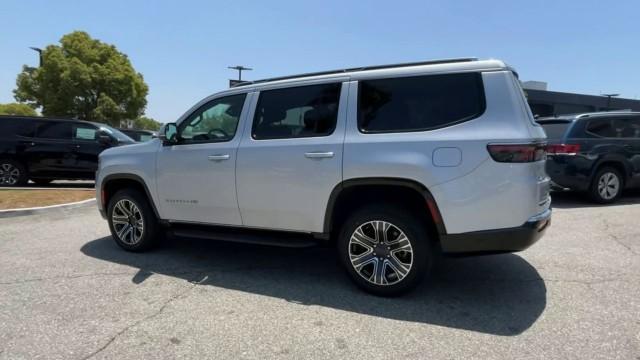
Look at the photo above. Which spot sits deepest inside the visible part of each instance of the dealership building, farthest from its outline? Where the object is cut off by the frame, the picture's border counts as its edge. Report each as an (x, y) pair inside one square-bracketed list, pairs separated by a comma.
[(548, 103)]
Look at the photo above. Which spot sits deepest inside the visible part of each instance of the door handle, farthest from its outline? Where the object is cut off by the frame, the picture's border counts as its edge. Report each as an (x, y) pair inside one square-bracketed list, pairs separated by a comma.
[(218, 157), (318, 154)]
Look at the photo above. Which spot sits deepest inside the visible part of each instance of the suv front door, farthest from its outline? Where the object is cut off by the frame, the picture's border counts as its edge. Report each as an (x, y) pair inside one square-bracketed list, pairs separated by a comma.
[(196, 177), (290, 158), (50, 152)]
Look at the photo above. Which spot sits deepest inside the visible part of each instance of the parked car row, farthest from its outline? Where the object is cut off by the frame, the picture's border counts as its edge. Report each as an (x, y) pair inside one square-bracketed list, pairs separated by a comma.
[(394, 164), (43, 149), (595, 153)]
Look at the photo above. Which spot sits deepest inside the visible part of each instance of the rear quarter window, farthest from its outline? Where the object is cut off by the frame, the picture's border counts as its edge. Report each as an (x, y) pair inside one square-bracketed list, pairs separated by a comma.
[(555, 129), (419, 103), (10, 127)]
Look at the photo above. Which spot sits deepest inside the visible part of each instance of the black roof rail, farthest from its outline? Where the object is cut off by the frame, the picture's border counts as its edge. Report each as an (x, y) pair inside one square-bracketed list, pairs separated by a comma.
[(348, 70)]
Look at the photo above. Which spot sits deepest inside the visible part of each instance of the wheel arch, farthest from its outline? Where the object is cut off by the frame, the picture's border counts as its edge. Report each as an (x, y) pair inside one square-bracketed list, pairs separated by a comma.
[(343, 194), (114, 182), (616, 163)]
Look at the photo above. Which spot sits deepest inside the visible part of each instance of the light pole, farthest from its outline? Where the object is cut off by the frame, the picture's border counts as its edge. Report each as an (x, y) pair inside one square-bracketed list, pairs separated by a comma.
[(239, 68), (39, 53), (609, 96)]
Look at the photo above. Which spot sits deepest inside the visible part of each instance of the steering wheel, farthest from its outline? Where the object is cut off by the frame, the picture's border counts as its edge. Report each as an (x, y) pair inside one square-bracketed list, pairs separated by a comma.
[(218, 131)]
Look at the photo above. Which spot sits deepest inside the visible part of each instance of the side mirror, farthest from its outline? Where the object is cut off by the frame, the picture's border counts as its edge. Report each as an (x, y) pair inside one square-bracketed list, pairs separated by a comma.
[(105, 139), (168, 133)]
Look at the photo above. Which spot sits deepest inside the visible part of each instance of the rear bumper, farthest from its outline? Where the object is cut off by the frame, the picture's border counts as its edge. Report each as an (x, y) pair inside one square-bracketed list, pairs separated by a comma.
[(498, 241), (572, 172)]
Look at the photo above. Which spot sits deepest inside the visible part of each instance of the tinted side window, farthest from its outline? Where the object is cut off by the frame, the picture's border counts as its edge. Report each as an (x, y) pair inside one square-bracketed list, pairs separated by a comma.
[(634, 124), (303, 111), (611, 128), (60, 130), (216, 121), (601, 127), (20, 127), (419, 103), (555, 129)]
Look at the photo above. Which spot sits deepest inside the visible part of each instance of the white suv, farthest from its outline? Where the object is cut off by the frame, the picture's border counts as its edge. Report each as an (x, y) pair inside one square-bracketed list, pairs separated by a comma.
[(394, 164)]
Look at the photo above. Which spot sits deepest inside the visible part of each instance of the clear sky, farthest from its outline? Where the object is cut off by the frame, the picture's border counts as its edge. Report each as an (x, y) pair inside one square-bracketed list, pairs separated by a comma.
[(183, 47)]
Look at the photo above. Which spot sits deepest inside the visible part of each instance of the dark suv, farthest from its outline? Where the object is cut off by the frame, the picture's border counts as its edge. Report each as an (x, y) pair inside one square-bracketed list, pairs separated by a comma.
[(598, 153), (43, 149)]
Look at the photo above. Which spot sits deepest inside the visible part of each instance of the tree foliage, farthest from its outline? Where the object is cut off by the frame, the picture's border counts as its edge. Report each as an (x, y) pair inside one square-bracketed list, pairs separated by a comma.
[(17, 109), (146, 123), (83, 78)]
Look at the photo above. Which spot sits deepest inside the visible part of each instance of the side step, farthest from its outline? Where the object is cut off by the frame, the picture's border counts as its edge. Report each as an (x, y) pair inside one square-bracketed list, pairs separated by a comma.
[(246, 236)]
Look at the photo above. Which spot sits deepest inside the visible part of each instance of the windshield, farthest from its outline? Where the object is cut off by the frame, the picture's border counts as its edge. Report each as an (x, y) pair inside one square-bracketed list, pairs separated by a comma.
[(116, 133)]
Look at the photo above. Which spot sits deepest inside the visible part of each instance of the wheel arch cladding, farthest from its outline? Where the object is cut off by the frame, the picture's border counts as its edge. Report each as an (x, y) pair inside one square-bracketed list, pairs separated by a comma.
[(351, 194), (616, 164), (115, 182)]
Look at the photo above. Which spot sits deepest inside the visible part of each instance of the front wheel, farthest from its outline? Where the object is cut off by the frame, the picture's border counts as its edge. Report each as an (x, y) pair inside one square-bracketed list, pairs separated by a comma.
[(385, 250), (607, 185), (132, 222)]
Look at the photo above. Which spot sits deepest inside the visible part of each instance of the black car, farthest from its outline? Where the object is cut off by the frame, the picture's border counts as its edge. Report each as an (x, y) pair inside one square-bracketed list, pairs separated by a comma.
[(139, 135), (43, 149), (598, 153)]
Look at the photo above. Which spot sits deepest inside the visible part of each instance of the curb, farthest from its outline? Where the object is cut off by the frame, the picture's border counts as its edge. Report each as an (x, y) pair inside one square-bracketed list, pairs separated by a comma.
[(43, 209)]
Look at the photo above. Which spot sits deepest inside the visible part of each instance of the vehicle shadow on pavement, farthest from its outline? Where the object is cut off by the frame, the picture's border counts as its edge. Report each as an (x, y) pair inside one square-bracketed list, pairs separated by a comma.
[(499, 294), (574, 199)]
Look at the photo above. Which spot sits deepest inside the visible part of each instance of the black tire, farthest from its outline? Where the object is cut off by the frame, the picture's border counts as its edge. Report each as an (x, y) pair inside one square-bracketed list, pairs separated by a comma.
[(151, 232), (12, 173), (605, 175), (42, 182), (416, 234)]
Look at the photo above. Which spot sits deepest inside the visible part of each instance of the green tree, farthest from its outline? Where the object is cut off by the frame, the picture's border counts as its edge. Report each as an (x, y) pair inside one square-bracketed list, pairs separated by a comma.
[(83, 78), (17, 109), (146, 123)]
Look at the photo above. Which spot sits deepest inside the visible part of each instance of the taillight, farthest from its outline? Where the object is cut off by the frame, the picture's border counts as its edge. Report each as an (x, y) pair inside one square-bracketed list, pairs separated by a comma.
[(563, 149), (517, 153)]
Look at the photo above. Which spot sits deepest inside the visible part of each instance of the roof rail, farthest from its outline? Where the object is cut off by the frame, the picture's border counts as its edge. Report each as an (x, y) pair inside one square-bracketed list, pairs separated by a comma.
[(606, 112), (343, 71)]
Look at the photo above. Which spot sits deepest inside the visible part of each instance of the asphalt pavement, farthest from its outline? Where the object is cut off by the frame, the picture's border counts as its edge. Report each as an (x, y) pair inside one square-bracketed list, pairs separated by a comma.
[(68, 292)]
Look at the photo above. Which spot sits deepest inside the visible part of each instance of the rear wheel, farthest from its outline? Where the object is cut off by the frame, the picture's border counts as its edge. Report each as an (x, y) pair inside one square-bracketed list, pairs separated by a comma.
[(607, 185), (12, 173), (132, 222), (385, 250)]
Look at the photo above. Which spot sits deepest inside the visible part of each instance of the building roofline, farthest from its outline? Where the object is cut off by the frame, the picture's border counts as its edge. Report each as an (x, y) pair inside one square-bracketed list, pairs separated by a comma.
[(569, 94), (574, 117)]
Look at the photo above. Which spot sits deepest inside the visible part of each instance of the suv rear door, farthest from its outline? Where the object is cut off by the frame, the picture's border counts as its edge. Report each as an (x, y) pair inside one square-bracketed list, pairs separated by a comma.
[(290, 158)]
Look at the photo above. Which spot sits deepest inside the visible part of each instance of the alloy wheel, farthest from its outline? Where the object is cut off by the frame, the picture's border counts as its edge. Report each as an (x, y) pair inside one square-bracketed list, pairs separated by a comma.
[(608, 185), (127, 222), (9, 174), (380, 253)]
